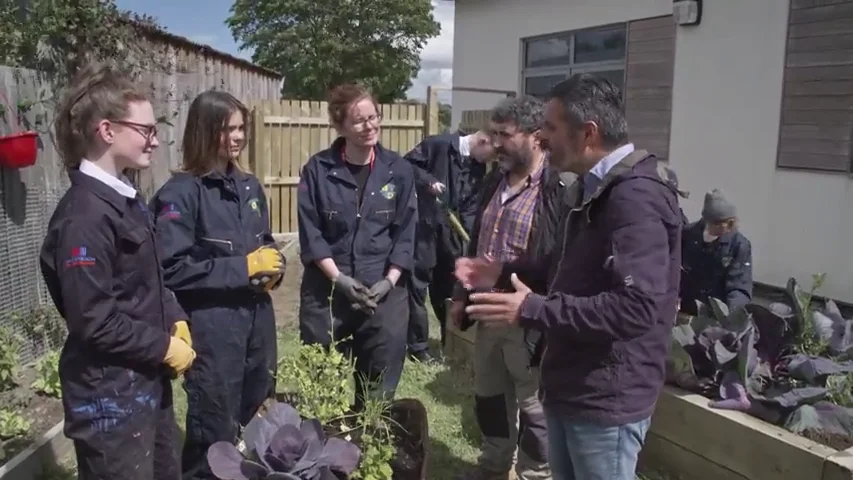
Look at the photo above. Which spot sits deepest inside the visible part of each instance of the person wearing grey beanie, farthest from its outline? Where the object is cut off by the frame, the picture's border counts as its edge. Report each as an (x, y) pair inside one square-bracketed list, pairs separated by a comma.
[(716, 257)]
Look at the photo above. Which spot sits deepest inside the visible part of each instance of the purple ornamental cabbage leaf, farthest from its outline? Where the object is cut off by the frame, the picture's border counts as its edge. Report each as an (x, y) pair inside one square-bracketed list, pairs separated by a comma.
[(813, 369), (822, 417), (295, 450)]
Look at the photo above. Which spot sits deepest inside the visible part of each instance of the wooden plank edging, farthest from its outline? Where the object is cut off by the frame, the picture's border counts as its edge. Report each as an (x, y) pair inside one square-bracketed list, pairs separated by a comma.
[(50, 449), (691, 441)]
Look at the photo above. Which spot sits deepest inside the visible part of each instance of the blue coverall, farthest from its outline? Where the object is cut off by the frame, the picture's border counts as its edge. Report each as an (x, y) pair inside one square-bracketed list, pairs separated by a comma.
[(207, 225), (100, 263), (364, 243)]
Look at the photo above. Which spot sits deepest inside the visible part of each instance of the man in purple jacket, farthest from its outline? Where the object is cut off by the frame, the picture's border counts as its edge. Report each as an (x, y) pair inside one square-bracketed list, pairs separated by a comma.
[(611, 306)]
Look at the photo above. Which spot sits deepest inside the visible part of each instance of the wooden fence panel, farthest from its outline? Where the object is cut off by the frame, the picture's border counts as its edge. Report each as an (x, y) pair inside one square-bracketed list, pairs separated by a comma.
[(288, 132)]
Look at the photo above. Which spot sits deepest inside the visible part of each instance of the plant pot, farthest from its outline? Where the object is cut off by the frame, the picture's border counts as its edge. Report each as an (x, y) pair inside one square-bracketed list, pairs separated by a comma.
[(19, 150), (411, 431)]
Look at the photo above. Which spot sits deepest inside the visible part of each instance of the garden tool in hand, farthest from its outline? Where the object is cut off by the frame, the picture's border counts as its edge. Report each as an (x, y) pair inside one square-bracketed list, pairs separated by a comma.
[(454, 222), (356, 292), (264, 265), (179, 356)]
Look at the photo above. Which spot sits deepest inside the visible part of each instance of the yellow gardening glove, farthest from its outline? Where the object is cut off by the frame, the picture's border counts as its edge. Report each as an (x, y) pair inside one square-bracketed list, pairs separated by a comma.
[(179, 356), (274, 282), (264, 261), (181, 330)]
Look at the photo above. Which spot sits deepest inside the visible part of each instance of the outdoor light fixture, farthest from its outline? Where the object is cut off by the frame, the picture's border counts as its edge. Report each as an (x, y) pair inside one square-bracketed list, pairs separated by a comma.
[(687, 12)]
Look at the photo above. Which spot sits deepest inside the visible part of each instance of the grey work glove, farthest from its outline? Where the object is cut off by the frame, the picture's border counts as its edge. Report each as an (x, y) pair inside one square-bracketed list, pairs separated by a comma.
[(380, 289), (355, 291)]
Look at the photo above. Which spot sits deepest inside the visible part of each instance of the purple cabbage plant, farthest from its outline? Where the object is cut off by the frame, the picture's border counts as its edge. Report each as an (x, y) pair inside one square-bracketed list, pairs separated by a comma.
[(751, 359), (280, 445)]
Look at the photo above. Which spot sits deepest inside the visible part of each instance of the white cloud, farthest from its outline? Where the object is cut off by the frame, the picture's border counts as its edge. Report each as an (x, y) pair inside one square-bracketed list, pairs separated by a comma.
[(437, 56)]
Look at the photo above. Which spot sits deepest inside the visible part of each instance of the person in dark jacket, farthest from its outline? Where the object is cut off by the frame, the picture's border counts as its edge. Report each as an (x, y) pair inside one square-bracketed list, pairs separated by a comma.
[(220, 260), (520, 206), (126, 333), (716, 258), (611, 306), (448, 171), (357, 213)]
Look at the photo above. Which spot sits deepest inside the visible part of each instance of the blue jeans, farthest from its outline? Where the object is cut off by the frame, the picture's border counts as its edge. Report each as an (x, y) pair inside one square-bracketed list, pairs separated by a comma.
[(586, 451)]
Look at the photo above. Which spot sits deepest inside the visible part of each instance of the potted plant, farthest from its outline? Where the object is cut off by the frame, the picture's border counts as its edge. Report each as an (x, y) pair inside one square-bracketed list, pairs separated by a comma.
[(20, 149)]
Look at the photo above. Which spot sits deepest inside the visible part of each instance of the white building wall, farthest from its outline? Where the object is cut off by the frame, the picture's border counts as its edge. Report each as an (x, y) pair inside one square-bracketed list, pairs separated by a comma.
[(725, 119)]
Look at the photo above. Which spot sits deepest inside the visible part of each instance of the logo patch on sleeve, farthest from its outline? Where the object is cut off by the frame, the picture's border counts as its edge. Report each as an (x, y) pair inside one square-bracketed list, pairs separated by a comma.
[(170, 212), (79, 258)]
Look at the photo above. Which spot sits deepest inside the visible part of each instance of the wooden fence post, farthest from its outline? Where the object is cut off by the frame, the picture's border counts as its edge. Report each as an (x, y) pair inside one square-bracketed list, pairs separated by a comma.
[(431, 123)]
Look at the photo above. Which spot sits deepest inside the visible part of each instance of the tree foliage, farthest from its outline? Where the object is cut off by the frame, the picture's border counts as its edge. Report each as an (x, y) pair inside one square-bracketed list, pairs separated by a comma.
[(319, 44), (56, 38)]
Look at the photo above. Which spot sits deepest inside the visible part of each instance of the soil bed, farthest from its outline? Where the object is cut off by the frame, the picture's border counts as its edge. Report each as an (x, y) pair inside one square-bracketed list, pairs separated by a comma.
[(41, 411)]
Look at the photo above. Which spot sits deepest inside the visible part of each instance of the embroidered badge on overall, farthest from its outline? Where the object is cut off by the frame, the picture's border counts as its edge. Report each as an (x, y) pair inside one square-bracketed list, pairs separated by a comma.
[(170, 212), (79, 258), (255, 205), (389, 190)]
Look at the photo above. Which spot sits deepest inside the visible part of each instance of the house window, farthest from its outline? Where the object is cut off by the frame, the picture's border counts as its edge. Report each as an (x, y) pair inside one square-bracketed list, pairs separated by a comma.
[(817, 97), (548, 60)]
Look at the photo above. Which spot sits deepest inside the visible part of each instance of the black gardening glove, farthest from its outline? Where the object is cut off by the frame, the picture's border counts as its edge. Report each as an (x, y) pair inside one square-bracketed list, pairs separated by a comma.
[(355, 291), (380, 289)]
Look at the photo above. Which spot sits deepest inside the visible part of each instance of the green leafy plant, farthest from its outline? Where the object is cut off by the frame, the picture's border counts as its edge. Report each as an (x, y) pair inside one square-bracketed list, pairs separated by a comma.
[(377, 438), (9, 358), (42, 325), (47, 375), (808, 339), (12, 424), (320, 379)]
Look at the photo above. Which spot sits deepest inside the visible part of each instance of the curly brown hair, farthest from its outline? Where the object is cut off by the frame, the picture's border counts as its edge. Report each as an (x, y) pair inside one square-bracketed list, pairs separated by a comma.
[(342, 97), (97, 92)]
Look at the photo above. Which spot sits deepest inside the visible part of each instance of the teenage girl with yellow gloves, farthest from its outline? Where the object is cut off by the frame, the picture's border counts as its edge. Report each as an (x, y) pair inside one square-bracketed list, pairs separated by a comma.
[(220, 260), (101, 266)]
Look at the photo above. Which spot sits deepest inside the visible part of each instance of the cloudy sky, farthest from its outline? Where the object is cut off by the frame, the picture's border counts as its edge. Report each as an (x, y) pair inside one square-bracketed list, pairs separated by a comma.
[(206, 25)]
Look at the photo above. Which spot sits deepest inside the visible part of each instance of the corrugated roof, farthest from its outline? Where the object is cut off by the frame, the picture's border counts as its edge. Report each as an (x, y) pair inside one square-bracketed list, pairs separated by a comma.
[(183, 42)]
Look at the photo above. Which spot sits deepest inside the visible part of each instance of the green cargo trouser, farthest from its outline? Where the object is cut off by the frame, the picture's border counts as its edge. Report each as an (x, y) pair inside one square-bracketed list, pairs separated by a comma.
[(507, 406)]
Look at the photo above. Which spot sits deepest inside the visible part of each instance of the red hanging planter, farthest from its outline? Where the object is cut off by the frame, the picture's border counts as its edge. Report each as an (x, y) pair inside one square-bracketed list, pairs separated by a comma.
[(18, 150)]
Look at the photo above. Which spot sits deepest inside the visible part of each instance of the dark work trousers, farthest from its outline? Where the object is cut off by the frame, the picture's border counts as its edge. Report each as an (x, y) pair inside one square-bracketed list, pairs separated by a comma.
[(378, 341), (146, 448), (441, 285), (418, 335), (230, 378)]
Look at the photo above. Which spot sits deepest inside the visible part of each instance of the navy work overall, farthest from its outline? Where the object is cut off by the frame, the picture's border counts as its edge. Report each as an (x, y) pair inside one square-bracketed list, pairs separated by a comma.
[(99, 261), (364, 233), (207, 225)]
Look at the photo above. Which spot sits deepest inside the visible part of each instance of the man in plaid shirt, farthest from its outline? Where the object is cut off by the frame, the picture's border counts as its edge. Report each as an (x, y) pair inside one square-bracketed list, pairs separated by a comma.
[(520, 206)]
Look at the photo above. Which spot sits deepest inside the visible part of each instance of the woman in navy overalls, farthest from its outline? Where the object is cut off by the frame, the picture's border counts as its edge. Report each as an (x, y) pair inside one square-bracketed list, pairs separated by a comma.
[(357, 215), (220, 260), (127, 336)]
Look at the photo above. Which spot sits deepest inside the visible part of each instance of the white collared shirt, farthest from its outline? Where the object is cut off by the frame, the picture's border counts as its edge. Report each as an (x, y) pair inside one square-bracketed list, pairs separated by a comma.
[(122, 186), (465, 145), (597, 173)]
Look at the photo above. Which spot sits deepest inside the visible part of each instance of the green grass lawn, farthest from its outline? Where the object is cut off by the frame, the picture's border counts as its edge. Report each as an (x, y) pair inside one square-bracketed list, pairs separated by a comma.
[(447, 393)]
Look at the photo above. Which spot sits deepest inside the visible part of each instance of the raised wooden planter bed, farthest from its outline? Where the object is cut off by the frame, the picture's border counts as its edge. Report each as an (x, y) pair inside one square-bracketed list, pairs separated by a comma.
[(48, 451), (690, 441)]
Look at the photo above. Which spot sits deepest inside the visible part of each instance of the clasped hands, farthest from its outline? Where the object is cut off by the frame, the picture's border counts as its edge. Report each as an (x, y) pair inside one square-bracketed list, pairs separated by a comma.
[(265, 268), (490, 308), (362, 298)]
